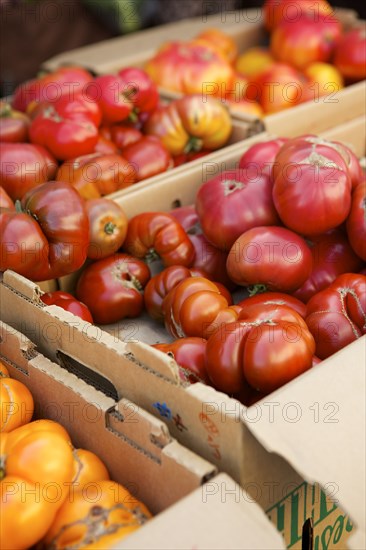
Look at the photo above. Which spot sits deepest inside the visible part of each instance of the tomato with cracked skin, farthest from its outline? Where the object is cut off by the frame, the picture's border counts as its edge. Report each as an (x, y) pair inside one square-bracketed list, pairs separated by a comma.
[(112, 288), (336, 316)]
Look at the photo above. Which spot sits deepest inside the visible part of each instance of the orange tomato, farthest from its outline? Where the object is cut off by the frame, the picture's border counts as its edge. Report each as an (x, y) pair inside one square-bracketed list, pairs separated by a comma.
[(245, 107), (276, 11), (36, 473), (254, 61), (37, 426), (16, 404), (189, 68), (96, 517), (88, 468), (220, 42), (279, 87)]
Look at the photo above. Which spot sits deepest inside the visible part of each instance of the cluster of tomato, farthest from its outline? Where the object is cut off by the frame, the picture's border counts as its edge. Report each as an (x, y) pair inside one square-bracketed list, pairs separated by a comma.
[(101, 134), (52, 494), (288, 225), (309, 56)]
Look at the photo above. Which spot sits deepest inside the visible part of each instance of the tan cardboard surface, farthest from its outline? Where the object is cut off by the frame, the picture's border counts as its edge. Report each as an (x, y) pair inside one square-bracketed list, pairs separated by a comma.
[(218, 516), (224, 515)]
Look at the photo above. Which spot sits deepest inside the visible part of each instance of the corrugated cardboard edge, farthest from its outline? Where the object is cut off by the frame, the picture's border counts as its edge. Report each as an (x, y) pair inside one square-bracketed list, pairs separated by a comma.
[(297, 441), (242, 524)]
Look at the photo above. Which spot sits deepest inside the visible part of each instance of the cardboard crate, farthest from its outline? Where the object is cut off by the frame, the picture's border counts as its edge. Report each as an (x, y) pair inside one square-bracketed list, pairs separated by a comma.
[(246, 28), (139, 453), (293, 471)]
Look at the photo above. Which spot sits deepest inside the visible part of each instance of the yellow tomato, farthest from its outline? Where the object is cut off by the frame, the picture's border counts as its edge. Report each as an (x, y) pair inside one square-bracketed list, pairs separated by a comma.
[(36, 473), (254, 61), (88, 468), (221, 42), (96, 517), (323, 79), (16, 404)]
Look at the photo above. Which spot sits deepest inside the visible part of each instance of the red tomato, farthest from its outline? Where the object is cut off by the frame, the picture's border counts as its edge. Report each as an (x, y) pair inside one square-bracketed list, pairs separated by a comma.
[(276, 88), (50, 237), (189, 353), (276, 11), (196, 307), (274, 298), (68, 303), (64, 135), (112, 288), (350, 54), (105, 146), (274, 258), (24, 166), (5, 200), (207, 257), (14, 125), (336, 316), (77, 107), (159, 286), (112, 95), (259, 158), (97, 174), (356, 221), (231, 203), (107, 227), (148, 156), (141, 90), (332, 256), (266, 348), (308, 38), (312, 186), (67, 81), (123, 135), (151, 235)]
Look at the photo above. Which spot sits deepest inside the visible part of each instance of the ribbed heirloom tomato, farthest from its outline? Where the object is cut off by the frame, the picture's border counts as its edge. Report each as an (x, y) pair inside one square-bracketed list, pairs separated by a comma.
[(312, 185), (233, 202), (159, 286), (97, 518), (190, 124), (36, 474), (196, 307), (153, 235), (268, 346), (49, 238), (336, 316)]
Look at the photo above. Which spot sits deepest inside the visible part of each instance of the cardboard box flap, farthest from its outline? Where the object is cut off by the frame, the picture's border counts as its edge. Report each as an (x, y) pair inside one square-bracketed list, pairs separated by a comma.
[(148, 357), (317, 116), (221, 501), (22, 285), (19, 349), (312, 425)]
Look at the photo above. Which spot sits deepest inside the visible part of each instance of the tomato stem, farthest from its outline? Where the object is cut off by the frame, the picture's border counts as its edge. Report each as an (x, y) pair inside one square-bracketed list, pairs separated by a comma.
[(193, 144), (151, 256), (256, 289), (5, 110), (109, 228), (18, 206)]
